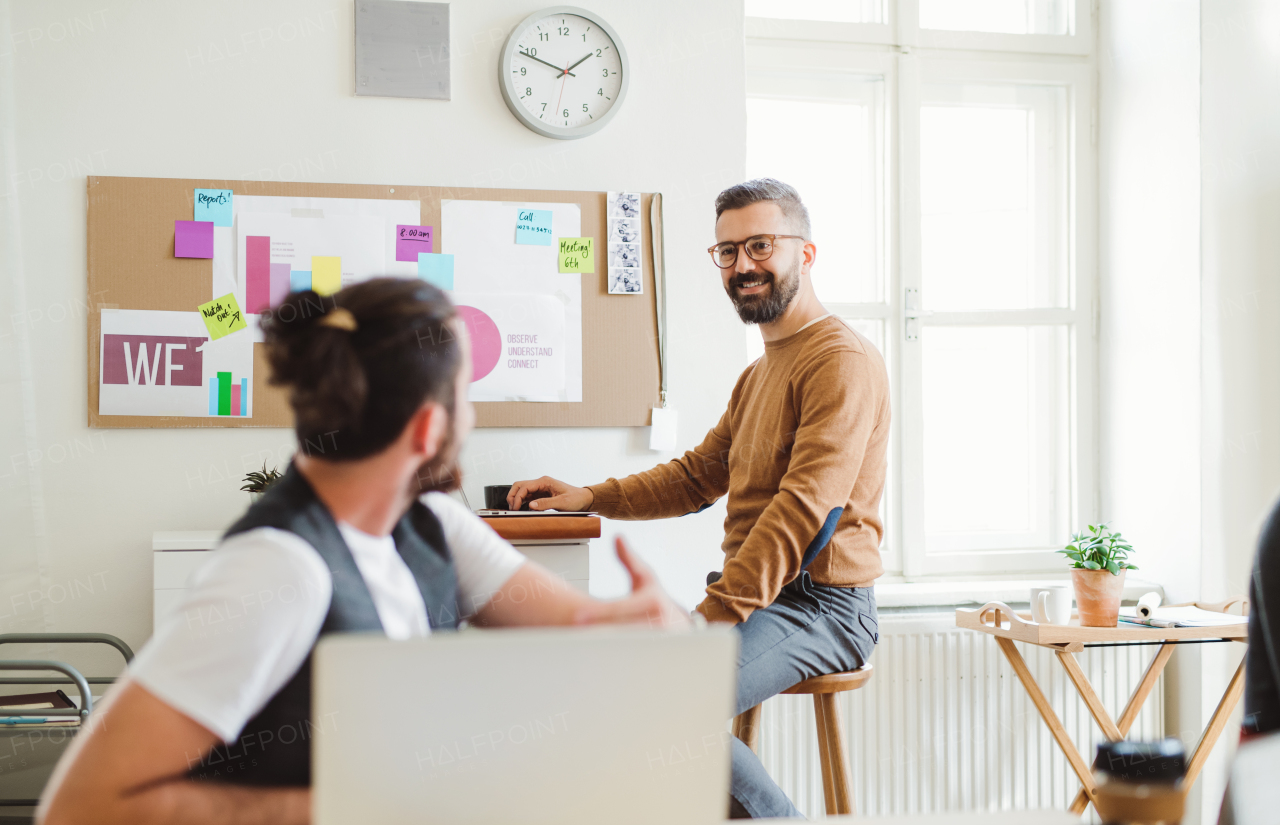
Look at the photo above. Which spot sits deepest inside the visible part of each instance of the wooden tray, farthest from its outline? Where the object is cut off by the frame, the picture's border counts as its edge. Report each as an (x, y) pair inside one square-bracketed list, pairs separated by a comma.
[(998, 619)]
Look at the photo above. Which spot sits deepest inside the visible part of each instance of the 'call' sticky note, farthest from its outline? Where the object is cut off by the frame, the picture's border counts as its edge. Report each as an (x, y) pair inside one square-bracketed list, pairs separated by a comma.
[(577, 255), (326, 274), (533, 226), (193, 239), (222, 316), (410, 240), (436, 269), (213, 205)]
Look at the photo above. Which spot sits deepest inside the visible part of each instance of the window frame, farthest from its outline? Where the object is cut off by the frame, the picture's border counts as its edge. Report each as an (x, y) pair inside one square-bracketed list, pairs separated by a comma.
[(908, 57)]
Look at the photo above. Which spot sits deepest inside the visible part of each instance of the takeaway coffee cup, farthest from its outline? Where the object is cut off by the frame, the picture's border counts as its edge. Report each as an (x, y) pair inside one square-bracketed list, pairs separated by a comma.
[(1051, 605)]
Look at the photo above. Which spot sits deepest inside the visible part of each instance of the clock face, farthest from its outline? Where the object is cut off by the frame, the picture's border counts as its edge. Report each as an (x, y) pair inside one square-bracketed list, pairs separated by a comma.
[(564, 73)]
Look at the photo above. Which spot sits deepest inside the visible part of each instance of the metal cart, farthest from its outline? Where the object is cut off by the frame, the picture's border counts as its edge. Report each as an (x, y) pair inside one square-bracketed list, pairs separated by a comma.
[(29, 753)]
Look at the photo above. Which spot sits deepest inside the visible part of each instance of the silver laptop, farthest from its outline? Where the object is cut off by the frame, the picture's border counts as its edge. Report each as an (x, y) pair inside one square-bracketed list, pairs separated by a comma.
[(524, 726)]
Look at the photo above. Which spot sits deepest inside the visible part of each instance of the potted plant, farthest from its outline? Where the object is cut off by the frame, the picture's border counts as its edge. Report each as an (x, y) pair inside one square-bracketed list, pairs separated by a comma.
[(257, 482), (1098, 561)]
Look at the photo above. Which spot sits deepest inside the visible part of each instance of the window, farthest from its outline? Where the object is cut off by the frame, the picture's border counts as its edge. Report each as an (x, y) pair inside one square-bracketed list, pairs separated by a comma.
[(944, 148)]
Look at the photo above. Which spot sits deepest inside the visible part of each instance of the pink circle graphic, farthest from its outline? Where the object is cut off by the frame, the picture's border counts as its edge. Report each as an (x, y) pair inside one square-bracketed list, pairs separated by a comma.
[(486, 341)]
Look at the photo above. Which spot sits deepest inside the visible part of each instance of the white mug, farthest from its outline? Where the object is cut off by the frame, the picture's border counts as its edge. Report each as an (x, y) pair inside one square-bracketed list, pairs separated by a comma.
[(1051, 605)]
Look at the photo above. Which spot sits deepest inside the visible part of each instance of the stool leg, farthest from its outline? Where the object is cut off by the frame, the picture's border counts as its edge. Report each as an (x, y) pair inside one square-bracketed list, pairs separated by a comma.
[(746, 726), (837, 789)]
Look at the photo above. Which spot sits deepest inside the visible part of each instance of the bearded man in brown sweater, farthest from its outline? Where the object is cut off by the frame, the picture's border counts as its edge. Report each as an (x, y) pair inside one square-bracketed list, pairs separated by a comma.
[(801, 454)]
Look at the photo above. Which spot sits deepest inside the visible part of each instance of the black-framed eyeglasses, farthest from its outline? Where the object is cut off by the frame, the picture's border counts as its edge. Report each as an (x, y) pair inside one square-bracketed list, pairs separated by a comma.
[(759, 248)]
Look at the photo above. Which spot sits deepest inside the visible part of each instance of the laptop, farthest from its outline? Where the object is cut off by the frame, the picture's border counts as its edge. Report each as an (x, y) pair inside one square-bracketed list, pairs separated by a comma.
[(524, 726)]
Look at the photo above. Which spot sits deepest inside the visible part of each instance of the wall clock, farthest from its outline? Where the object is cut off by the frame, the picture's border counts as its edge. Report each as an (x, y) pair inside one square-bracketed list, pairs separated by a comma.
[(563, 72)]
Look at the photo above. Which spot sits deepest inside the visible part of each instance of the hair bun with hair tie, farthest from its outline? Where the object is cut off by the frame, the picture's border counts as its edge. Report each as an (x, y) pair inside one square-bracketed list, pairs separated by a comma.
[(340, 318)]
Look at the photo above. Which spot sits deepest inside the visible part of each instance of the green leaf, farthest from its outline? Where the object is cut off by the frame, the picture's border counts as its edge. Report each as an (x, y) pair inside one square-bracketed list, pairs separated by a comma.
[(1092, 565), (1114, 568)]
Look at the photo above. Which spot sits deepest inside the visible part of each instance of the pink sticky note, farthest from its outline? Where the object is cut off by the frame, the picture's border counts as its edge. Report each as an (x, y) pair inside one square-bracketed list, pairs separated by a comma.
[(194, 239), (410, 240)]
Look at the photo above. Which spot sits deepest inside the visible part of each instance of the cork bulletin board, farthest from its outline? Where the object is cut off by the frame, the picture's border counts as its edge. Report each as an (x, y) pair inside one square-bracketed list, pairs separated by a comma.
[(131, 265)]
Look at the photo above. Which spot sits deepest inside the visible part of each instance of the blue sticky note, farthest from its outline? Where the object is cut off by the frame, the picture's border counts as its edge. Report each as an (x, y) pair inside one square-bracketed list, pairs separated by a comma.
[(436, 269), (213, 205), (299, 281), (533, 226)]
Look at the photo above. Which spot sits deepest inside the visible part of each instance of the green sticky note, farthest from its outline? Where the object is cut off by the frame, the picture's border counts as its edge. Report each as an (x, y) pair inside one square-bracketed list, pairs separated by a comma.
[(222, 316), (577, 255)]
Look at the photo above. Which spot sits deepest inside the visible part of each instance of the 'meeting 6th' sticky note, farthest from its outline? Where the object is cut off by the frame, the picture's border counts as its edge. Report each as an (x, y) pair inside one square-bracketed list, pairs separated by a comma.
[(577, 255)]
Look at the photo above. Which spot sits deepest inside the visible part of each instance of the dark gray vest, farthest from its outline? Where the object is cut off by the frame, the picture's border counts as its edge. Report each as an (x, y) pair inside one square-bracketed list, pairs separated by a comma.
[(275, 746)]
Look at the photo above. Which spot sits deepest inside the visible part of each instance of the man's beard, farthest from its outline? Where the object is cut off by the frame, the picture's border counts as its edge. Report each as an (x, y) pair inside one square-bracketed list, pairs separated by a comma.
[(443, 472), (768, 306)]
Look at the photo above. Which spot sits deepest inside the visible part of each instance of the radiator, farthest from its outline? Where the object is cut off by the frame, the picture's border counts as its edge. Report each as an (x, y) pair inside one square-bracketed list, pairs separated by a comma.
[(945, 725)]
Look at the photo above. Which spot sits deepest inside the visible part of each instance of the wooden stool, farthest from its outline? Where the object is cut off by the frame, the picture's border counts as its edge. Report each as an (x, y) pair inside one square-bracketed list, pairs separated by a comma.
[(837, 787)]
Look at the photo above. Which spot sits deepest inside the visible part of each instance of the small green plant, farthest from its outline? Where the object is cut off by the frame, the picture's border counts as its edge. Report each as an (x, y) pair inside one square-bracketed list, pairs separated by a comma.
[(1099, 549), (259, 480)]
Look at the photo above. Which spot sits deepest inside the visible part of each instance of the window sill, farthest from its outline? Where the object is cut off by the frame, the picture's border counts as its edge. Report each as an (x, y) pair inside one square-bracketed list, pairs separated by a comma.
[(905, 597)]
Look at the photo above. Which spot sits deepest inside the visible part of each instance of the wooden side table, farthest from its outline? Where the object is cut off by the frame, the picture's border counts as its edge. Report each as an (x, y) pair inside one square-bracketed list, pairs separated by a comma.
[(562, 544), (1007, 626)]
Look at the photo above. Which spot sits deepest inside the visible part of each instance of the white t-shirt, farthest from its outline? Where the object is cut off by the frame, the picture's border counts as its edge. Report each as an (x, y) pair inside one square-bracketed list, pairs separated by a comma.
[(253, 611)]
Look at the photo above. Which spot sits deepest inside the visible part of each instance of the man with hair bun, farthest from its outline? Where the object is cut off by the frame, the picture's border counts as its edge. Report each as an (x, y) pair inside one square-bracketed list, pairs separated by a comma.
[(211, 722), (801, 455)]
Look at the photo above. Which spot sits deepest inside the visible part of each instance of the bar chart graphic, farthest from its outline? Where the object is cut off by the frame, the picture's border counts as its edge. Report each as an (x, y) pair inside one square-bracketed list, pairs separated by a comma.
[(228, 397)]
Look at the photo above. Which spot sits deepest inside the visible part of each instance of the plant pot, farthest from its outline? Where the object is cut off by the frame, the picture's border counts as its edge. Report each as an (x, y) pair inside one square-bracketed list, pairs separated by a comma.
[(1098, 596)]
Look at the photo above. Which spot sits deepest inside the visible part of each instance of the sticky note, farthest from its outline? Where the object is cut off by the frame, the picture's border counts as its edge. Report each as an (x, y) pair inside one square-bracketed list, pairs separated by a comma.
[(410, 240), (326, 274), (213, 205), (222, 316), (577, 255), (193, 239), (533, 226), (299, 281), (436, 269)]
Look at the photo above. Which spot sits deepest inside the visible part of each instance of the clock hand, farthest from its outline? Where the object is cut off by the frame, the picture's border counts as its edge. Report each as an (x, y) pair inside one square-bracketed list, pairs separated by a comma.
[(552, 65), (575, 65)]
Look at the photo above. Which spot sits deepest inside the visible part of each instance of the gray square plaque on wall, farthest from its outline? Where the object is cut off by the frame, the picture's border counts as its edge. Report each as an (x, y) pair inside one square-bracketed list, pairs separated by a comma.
[(402, 49)]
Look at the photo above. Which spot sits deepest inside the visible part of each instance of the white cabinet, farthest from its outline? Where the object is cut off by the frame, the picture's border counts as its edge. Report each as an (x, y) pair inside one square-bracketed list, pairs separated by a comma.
[(176, 555)]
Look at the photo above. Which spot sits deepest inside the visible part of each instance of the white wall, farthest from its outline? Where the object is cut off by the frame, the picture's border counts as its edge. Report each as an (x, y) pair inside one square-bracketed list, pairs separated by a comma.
[(1149, 290), (1240, 293), (1190, 147), (249, 90)]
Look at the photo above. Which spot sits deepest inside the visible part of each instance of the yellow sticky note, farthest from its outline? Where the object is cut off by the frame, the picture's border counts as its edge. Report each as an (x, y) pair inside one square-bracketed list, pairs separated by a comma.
[(577, 255), (222, 316), (326, 274)]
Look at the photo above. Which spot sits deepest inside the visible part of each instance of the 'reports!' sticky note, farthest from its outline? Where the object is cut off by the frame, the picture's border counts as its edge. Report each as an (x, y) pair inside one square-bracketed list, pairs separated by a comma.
[(533, 226), (577, 255), (222, 316), (436, 269), (213, 205), (193, 239)]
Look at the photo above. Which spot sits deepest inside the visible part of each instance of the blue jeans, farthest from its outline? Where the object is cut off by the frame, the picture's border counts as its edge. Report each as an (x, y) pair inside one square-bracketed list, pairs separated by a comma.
[(809, 630)]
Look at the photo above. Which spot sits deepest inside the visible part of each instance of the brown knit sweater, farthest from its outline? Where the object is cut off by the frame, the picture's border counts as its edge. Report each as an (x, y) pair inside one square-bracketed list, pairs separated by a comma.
[(801, 452)]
